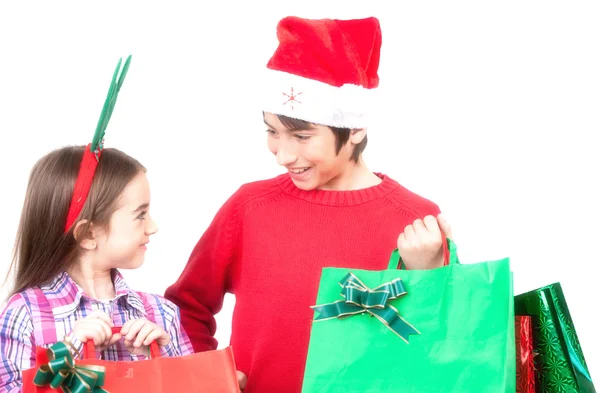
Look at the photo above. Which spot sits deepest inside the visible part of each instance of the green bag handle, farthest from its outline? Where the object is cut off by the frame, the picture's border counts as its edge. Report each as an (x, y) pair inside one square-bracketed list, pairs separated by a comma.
[(450, 256)]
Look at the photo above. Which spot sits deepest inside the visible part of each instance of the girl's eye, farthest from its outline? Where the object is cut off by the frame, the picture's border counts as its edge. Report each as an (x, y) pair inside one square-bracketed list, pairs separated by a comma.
[(142, 215)]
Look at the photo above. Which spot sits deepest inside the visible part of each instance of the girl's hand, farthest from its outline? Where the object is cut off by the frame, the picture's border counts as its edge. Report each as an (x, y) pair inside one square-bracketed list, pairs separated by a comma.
[(97, 327), (139, 333)]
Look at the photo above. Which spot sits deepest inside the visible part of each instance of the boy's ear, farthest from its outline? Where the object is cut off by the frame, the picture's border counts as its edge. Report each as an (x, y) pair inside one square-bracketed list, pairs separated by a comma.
[(357, 135), (84, 235)]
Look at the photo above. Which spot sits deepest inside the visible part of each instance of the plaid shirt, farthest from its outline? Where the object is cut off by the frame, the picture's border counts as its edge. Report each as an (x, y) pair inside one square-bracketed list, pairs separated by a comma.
[(42, 316)]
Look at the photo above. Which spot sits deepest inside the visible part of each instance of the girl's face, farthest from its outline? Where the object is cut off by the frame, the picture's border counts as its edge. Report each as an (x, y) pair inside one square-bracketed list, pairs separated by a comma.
[(124, 244)]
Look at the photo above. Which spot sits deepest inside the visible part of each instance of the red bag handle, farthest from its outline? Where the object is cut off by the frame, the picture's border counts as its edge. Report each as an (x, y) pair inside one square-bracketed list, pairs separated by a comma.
[(446, 251), (90, 347)]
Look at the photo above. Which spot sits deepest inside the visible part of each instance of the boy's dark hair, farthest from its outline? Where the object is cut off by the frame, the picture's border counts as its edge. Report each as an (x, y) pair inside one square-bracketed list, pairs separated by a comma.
[(341, 135)]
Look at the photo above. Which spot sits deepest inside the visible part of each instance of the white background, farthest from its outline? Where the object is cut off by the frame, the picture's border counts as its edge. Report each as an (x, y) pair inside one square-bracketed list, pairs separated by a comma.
[(490, 110)]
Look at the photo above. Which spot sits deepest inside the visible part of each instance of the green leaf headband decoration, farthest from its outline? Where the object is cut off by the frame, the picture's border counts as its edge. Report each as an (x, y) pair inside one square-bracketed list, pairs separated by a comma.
[(91, 155), (109, 105)]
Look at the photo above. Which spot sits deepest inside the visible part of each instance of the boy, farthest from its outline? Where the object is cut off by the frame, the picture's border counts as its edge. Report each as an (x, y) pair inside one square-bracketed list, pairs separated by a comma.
[(270, 240)]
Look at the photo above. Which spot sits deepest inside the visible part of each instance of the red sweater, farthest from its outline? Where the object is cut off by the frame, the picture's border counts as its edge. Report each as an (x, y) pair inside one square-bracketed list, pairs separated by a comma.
[(267, 245)]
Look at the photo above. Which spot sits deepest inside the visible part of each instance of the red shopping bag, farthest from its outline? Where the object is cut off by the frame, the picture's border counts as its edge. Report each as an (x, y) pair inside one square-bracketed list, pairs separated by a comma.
[(525, 354), (212, 371)]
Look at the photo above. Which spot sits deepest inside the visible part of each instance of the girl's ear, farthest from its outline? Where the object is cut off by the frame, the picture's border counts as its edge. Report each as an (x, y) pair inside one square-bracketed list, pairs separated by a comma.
[(85, 236)]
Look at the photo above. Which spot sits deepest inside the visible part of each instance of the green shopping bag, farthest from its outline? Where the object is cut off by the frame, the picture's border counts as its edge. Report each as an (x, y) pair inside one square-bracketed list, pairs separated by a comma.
[(444, 330)]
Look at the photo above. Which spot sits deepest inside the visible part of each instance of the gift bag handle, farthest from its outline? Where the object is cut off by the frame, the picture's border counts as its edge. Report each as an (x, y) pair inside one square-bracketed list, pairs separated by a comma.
[(90, 347), (449, 249)]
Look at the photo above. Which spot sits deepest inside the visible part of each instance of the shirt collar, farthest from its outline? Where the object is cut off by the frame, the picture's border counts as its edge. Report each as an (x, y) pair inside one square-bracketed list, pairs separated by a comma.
[(64, 295)]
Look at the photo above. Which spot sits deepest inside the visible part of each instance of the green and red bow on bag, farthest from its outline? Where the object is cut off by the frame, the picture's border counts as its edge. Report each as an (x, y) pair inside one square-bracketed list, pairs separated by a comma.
[(62, 372), (93, 150), (360, 299)]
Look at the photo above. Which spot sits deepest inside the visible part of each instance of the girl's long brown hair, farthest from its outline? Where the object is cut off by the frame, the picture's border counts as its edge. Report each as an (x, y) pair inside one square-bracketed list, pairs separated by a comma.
[(42, 248)]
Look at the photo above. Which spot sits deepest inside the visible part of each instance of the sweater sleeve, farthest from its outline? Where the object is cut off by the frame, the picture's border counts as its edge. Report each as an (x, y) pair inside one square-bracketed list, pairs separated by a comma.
[(207, 276)]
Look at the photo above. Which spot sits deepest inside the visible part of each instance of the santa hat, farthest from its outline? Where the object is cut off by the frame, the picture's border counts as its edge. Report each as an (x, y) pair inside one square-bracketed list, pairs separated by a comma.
[(324, 71)]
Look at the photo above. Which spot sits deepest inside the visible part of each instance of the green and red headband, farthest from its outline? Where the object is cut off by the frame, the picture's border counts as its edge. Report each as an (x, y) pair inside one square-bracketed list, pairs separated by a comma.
[(93, 151)]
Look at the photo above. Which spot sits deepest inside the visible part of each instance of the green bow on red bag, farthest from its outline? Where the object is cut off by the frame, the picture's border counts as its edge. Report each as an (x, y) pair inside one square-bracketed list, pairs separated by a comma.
[(361, 299), (61, 372)]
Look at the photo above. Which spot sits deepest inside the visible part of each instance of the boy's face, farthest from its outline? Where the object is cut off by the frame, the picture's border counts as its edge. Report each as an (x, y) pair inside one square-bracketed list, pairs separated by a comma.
[(310, 155)]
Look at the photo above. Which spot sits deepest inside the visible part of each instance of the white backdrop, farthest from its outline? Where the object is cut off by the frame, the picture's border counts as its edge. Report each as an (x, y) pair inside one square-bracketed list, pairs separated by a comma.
[(490, 111)]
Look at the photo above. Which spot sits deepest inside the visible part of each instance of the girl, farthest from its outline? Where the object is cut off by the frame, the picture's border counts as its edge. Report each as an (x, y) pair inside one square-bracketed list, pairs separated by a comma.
[(68, 286)]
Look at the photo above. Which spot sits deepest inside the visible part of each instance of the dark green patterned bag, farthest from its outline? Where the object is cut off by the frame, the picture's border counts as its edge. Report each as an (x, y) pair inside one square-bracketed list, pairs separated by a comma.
[(559, 362)]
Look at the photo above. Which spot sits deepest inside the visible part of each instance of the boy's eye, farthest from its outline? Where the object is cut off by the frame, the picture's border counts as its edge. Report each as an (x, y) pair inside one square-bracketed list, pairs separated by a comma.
[(303, 137), (142, 215), (271, 132)]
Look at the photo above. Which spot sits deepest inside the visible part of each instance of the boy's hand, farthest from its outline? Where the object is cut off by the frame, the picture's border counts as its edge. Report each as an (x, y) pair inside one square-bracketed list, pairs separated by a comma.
[(242, 380), (420, 245), (139, 333)]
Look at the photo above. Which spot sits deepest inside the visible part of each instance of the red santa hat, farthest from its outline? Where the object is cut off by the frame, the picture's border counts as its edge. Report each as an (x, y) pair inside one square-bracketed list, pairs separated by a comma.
[(324, 71)]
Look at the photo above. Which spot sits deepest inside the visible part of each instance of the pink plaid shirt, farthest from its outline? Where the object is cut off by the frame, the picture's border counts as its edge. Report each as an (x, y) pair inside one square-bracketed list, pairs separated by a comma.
[(43, 316)]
